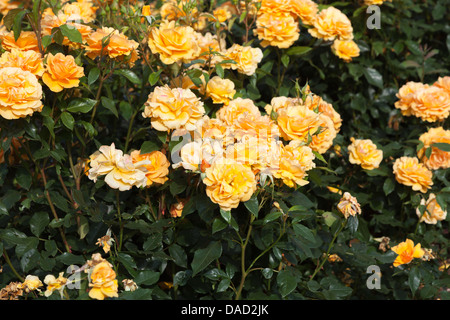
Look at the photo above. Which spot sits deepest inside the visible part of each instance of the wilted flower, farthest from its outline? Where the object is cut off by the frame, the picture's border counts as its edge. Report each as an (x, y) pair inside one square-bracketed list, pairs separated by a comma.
[(129, 285), (349, 206), (407, 252), (105, 241), (410, 172), (176, 209), (31, 283), (12, 291), (55, 284), (432, 213), (365, 153)]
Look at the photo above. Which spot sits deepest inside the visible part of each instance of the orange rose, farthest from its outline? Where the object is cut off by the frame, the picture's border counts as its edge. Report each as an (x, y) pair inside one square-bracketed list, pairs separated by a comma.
[(174, 9), (7, 5), (62, 72), (331, 23), (306, 10), (296, 122), (431, 104), (157, 170), (103, 282), (228, 114), (410, 172), (228, 183), (432, 212), (316, 103), (26, 60), (345, 49), (115, 46), (407, 252), (246, 58), (26, 41), (365, 153), (406, 96), (322, 138), (173, 43), (173, 108), (277, 29), (20, 93), (443, 82), (439, 159)]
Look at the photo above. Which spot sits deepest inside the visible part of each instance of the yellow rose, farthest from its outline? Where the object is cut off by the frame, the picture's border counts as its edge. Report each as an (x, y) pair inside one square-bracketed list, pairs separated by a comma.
[(127, 174), (306, 10), (374, 2), (103, 282), (61, 72), (103, 161), (331, 23), (278, 103), (222, 14), (228, 114), (277, 29), (365, 153), (255, 125), (432, 212), (439, 159), (82, 8), (31, 283), (274, 6), (20, 93), (316, 103), (26, 41), (443, 82), (410, 172), (26, 60), (246, 58), (322, 139), (208, 43), (345, 49), (406, 96), (173, 109), (190, 156), (174, 9), (220, 90), (228, 183), (295, 122), (295, 161), (53, 284), (406, 252), (431, 104), (157, 170), (7, 5), (115, 46), (173, 43)]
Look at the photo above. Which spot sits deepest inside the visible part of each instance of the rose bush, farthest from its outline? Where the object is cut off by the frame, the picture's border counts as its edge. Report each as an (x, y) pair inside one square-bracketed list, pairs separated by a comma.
[(244, 149)]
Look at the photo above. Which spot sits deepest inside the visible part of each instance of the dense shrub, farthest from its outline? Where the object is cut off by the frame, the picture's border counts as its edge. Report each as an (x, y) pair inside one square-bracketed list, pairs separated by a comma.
[(224, 150)]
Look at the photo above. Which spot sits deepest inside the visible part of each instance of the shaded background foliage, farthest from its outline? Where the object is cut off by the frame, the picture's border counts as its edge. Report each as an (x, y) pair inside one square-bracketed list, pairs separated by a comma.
[(199, 256)]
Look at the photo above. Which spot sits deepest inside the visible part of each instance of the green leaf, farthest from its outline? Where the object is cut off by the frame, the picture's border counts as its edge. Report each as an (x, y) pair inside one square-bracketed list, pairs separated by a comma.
[(68, 120), (226, 215), (272, 216), (110, 105), (69, 258), (414, 279), (352, 224), (373, 77), (286, 282), (298, 51), (219, 70), (203, 257), (24, 178), (252, 205), (38, 222), (93, 75), (17, 26), (149, 146), (147, 277), (154, 77), (178, 255), (304, 232), (130, 75), (388, 186), (442, 146), (128, 262), (71, 33), (10, 198), (218, 225), (82, 105)]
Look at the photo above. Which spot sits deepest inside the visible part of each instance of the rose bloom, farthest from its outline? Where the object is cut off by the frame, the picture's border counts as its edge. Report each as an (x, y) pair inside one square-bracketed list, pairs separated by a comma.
[(316, 103), (26, 41), (173, 108), (410, 172), (173, 43), (278, 103), (228, 183), (129, 285), (103, 161), (157, 170), (322, 139), (127, 174), (278, 30), (220, 90), (26, 60), (306, 10), (228, 114), (296, 122), (274, 6), (61, 72), (345, 49), (83, 8), (295, 161), (375, 2), (365, 153), (443, 82), (246, 58), (406, 96), (174, 9), (431, 104), (208, 43), (432, 212), (349, 206), (222, 14), (117, 45), (439, 159), (331, 23), (31, 283), (20, 93), (190, 156), (255, 125), (103, 282), (53, 284), (407, 252), (176, 209), (246, 151), (7, 5)]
